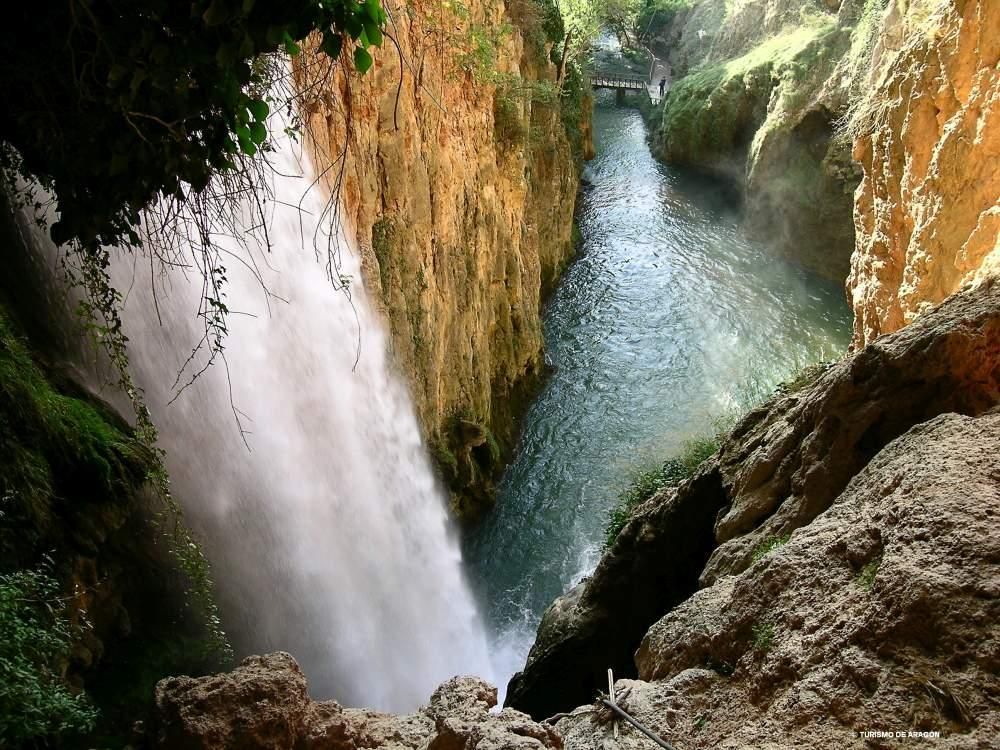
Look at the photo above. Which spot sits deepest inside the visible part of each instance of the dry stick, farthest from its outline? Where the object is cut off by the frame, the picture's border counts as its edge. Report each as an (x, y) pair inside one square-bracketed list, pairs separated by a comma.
[(634, 722), (611, 697)]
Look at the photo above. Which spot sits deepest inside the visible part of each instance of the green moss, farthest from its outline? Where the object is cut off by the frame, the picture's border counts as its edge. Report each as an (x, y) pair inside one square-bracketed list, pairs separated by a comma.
[(383, 239), (768, 546), (716, 110), (866, 578), (53, 445)]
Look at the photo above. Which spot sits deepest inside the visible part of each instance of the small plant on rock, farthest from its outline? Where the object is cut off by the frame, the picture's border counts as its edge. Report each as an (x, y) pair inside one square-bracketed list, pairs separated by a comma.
[(866, 578), (768, 546), (763, 636)]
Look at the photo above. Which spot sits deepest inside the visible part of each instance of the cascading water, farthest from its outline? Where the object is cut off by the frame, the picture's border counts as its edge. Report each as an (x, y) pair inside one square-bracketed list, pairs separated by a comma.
[(326, 531)]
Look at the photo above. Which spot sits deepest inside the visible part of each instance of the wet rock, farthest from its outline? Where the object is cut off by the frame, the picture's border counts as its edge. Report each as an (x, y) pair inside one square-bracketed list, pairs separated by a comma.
[(652, 566)]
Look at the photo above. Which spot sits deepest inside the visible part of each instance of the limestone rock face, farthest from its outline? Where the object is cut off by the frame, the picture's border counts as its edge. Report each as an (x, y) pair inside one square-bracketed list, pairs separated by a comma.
[(458, 181), (928, 209), (783, 466), (260, 704), (264, 705)]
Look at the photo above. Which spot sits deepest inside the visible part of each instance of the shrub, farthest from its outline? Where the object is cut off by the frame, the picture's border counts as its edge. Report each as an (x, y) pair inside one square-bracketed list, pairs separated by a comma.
[(35, 703), (648, 483), (763, 636), (769, 545)]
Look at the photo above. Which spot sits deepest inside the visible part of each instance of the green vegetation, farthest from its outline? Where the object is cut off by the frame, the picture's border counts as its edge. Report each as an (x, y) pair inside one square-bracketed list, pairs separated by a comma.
[(866, 578), (53, 445), (863, 108), (769, 545), (673, 472), (763, 636), (705, 110), (35, 703), (171, 94), (71, 476)]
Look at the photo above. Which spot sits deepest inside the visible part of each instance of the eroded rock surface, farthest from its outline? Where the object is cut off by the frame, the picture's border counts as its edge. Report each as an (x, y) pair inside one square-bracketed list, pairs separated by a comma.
[(264, 705), (928, 210), (883, 613), (782, 466)]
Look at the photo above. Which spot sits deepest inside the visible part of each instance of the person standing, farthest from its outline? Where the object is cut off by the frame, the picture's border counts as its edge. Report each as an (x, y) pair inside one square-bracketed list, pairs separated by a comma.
[(663, 85)]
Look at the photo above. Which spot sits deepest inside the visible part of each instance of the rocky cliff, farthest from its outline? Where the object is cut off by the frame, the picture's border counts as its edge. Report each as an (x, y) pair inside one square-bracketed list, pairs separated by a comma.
[(456, 158), (759, 89), (928, 139)]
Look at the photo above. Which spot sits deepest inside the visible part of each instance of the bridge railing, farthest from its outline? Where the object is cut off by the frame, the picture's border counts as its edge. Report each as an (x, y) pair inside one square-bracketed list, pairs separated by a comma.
[(613, 81)]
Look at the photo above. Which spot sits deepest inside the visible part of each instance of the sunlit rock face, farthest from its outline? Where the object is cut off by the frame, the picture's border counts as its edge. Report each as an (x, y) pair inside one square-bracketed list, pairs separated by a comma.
[(928, 209), (461, 194)]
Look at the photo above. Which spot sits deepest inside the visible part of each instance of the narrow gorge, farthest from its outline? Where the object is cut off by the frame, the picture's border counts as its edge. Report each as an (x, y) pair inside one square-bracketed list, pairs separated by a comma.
[(391, 374)]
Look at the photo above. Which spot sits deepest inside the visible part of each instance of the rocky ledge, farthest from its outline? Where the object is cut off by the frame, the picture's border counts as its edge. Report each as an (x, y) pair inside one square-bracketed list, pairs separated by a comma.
[(264, 705)]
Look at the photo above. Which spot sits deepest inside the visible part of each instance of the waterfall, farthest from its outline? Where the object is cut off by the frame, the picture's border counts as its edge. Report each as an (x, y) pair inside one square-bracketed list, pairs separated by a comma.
[(327, 533)]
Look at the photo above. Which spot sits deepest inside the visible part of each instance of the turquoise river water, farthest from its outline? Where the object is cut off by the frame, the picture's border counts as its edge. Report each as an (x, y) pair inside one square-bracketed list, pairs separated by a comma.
[(668, 319)]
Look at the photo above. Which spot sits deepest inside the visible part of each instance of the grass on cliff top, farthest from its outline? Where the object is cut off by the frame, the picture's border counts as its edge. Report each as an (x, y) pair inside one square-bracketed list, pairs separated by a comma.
[(702, 109), (647, 483)]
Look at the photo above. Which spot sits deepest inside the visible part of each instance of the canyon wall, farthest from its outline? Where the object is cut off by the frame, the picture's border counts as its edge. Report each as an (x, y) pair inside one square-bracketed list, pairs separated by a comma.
[(928, 138), (759, 89), (457, 159)]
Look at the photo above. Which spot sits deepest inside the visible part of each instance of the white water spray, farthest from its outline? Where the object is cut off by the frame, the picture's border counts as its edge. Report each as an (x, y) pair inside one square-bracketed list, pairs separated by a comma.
[(328, 538)]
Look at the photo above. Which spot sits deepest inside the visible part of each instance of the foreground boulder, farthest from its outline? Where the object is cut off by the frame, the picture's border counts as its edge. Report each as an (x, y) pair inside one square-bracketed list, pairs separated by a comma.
[(264, 705), (782, 466)]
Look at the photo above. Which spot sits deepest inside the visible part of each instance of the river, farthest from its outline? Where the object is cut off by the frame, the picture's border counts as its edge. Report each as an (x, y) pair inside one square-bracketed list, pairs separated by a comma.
[(668, 319)]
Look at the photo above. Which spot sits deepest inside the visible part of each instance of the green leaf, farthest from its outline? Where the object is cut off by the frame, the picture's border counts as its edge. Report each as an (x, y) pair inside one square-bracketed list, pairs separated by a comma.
[(374, 34), (258, 133), (332, 44), (290, 46), (353, 26), (259, 109), (373, 10), (362, 60)]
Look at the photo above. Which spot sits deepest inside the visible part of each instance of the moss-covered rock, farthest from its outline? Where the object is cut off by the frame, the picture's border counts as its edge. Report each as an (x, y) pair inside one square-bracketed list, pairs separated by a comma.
[(760, 108), (75, 501)]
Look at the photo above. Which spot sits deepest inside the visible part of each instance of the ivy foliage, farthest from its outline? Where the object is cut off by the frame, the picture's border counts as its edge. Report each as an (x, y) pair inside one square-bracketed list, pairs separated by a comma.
[(114, 103), (35, 703)]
